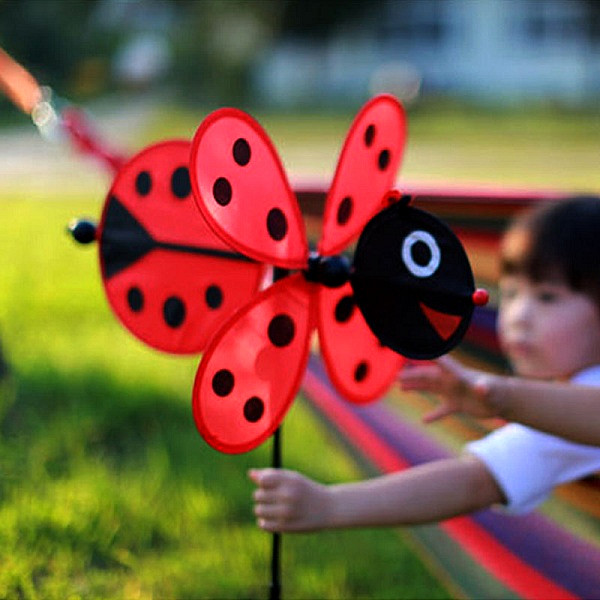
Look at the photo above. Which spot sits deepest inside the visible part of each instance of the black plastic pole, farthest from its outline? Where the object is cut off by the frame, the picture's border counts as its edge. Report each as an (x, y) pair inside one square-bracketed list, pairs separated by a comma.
[(275, 587)]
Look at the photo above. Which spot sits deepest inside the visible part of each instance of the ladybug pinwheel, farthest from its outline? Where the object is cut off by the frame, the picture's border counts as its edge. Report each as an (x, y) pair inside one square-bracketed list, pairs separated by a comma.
[(252, 368)]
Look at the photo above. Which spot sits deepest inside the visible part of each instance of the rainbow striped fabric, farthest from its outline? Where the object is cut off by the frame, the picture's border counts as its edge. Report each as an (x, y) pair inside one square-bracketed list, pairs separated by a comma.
[(551, 553)]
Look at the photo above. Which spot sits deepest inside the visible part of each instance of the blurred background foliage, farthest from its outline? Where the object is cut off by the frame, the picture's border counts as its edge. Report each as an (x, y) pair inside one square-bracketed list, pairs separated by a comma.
[(286, 53), (201, 50)]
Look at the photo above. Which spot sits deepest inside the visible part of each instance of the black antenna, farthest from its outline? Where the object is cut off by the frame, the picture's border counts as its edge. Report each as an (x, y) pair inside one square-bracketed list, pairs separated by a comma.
[(82, 230)]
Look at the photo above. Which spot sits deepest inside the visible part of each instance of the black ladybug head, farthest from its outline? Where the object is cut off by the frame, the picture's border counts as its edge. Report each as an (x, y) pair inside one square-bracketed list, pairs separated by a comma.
[(413, 282)]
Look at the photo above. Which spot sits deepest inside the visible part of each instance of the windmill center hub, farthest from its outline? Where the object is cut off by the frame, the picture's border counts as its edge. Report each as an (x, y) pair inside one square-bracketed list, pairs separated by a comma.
[(330, 271)]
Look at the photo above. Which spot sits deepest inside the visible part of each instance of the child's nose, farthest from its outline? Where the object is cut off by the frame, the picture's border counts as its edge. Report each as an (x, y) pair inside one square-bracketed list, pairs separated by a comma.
[(521, 309)]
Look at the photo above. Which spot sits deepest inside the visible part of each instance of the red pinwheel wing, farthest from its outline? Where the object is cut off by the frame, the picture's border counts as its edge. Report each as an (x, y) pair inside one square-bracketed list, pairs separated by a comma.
[(252, 369), (242, 190), (359, 366), (366, 171), (169, 279)]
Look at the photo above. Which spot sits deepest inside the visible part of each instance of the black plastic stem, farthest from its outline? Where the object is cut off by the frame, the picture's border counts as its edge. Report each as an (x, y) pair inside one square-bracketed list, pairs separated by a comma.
[(276, 461), (275, 587)]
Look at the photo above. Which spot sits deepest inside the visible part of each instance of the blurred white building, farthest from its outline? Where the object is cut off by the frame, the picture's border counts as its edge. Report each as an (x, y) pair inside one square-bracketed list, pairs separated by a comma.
[(491, 50)]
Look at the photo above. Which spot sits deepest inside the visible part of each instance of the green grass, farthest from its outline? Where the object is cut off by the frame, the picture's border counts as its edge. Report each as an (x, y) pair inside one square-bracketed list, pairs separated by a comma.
[(106, 489)]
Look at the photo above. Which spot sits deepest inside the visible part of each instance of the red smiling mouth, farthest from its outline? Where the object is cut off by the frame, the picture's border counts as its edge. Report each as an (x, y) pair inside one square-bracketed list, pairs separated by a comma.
[(445, 324)]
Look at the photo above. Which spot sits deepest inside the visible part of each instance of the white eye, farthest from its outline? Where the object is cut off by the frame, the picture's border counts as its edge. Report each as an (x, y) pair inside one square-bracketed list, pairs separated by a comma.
[(419, 270)]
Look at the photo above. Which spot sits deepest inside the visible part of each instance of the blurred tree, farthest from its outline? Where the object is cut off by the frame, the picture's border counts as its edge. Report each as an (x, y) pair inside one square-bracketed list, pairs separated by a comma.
[(216, 42), (317, 18), (71, 44), (593, 22), (53, 38)]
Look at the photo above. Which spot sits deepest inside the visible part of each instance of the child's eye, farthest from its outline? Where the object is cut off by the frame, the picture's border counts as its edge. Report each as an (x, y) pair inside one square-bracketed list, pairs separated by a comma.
[(507, 293), (547, 297)]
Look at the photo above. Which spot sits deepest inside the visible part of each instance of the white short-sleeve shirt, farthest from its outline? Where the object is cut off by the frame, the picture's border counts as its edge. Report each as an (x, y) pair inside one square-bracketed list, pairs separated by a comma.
[(527, 464)]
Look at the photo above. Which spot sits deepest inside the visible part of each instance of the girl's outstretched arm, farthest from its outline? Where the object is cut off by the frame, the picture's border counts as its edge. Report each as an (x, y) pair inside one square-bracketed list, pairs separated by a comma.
[(288, 501), (560, 408)]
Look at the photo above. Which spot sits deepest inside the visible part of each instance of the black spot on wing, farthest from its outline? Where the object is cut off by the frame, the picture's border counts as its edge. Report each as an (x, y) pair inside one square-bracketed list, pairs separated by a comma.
[(241, 152), (135, 299), (223, 382), (143, 183), (254, 409), (222, 191), (277, 224), (369, 135), (383, 160), (174, 311), (344, 309), (361, 371), (281, 330), (213, 296), (345, 210), (180, 183)]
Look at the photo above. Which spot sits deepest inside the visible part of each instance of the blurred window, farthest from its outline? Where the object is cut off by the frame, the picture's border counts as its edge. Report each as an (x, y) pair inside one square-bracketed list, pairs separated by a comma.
[(415, 22), (554, 21)]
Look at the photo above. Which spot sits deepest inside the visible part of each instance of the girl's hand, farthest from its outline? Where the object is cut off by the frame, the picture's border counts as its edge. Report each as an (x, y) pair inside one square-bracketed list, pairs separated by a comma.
[(461, 389), (287, 501)]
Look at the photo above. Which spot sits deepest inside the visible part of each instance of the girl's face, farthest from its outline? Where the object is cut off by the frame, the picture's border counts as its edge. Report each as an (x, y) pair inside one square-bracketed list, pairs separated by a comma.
[(546, 329)]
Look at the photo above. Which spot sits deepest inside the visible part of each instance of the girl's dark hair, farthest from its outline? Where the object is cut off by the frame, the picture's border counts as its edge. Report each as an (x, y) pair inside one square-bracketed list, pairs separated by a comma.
[(563, 243)]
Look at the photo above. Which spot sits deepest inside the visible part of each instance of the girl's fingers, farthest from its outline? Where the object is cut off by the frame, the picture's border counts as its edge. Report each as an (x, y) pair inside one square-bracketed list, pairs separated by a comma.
[(448, 363), (417, 370), (482, 388), (421, 378), (271, 512), (266, 478), (439, 413), (263, 496), (287, 501), (267, 525), (275, 526), (275, 517)]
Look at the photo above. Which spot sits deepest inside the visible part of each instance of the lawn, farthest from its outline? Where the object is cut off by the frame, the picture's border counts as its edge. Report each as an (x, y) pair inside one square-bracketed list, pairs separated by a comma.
[(106, 489)]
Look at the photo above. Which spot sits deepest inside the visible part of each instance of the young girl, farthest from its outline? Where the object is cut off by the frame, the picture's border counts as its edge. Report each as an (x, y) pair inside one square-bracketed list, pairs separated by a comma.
[(549, 326)]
